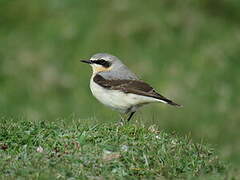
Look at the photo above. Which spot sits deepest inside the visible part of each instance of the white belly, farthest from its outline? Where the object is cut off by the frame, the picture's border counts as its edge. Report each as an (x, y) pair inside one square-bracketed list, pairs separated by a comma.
[(115, 99)]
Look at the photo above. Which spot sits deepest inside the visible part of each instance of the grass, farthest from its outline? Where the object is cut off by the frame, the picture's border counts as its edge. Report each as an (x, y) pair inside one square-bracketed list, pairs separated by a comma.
[(59, 151)]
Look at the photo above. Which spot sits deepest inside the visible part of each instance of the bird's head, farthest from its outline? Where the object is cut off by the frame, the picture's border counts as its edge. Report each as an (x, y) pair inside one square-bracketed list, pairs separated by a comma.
[(102, 62)]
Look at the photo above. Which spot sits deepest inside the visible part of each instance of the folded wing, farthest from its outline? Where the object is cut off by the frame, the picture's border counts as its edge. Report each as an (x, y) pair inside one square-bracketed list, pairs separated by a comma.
[(132, 86)]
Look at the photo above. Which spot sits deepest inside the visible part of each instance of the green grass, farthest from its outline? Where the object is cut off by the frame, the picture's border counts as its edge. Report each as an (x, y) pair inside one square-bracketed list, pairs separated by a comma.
[(49, 151)]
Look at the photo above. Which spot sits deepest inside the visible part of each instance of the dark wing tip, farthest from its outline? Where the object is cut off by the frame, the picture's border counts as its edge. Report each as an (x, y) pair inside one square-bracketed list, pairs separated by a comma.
[(174, 104), (168, 101)]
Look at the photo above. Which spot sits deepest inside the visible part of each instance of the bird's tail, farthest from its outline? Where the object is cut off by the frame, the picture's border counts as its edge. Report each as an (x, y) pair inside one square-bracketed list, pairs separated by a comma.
[(170, 102), (174, 104)]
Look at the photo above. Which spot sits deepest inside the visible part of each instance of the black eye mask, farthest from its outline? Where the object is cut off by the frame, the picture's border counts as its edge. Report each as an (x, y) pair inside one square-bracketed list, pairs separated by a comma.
[(102, 62)]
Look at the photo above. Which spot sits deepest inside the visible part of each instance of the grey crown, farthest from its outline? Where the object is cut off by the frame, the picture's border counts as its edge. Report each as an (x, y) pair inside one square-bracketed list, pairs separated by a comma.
[(118, 71)]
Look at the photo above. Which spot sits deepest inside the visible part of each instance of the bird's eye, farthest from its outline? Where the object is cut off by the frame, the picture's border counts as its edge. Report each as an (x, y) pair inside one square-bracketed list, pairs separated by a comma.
[(103, 62)]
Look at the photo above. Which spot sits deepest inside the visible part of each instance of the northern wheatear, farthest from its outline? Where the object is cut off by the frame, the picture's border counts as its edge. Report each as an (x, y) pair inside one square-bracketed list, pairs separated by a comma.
[(114, 85)]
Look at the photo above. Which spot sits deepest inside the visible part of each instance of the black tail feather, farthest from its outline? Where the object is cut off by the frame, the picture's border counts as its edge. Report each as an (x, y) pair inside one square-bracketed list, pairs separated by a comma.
[(174, 104), (171, 102)]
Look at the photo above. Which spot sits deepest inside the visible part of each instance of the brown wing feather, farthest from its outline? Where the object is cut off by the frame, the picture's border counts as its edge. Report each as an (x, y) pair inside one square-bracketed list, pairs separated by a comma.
[(131, 86)]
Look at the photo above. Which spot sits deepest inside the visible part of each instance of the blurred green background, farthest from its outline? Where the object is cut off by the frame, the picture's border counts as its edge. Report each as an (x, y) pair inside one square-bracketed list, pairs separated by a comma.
[(188, 50)]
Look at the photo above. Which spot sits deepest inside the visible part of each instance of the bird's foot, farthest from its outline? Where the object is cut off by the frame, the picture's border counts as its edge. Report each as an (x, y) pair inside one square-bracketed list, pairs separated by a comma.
[(122, 120), (120, 123)]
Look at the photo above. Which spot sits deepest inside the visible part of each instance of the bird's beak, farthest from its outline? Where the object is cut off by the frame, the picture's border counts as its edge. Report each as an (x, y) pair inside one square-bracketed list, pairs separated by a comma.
[(86, 61)]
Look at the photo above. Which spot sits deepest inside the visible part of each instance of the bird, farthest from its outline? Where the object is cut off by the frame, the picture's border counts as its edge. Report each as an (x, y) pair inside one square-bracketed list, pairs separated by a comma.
[(117, 87)]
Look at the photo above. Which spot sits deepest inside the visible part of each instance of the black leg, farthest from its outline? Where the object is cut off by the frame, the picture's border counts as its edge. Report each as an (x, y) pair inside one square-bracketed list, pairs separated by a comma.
[(130, 116)]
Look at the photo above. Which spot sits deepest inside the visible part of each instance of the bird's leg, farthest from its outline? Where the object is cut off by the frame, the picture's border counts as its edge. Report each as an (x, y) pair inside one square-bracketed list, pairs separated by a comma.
[(130, 116), (122, 119), (124, 115)]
